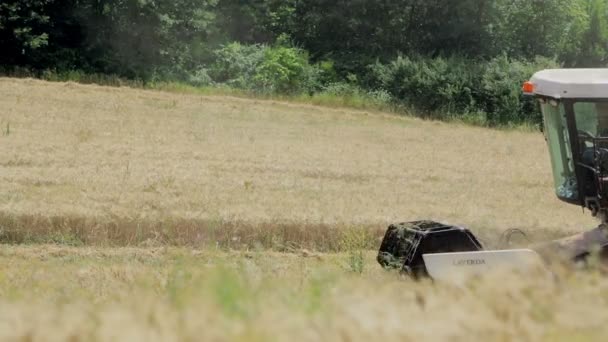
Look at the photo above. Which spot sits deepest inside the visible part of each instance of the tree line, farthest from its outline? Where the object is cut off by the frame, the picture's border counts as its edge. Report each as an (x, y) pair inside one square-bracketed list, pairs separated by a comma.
[(439, 58)]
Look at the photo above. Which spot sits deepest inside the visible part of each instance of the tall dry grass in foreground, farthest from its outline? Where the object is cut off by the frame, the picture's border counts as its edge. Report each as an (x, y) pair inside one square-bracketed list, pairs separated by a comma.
[(117, 166), (50, 293)]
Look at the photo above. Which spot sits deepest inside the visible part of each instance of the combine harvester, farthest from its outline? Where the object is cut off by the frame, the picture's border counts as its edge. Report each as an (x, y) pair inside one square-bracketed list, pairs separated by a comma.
[(574, 104)]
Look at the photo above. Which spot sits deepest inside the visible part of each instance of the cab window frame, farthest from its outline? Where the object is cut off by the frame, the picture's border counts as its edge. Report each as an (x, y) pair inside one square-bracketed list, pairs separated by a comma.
[(579, 169)]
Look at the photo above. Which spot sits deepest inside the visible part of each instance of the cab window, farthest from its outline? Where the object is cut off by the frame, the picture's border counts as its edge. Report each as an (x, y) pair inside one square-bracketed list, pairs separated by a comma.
[(560, 151)]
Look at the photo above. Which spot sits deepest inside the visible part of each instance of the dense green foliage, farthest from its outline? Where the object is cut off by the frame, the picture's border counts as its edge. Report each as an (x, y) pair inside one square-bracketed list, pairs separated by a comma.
[(462, 58), (485, 93)]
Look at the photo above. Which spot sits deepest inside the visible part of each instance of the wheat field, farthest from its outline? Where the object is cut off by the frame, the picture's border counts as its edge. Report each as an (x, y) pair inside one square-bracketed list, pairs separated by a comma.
[(129, 214), (125, 166)]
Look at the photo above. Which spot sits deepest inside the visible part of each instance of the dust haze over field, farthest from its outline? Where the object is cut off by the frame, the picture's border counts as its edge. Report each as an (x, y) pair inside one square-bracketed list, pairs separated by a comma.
[(150, 215)]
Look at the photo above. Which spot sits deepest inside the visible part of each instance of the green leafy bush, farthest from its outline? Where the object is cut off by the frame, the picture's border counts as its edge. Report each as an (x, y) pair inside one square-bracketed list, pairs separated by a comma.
[(263, 69), (352, 95), (201, 78), (455, 88), (434, 86), (236, 64), (500, 95), (284, 70)]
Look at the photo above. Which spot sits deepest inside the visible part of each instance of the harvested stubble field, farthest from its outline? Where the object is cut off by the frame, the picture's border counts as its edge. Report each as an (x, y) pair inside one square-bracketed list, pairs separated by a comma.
[(132, 214)]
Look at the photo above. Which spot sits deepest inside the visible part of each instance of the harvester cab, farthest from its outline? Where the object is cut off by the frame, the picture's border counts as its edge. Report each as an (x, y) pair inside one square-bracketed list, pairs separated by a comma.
[(574, 105)]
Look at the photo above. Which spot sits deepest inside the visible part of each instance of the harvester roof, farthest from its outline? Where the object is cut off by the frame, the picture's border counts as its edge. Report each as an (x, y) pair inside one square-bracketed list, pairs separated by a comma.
[(570, 83)]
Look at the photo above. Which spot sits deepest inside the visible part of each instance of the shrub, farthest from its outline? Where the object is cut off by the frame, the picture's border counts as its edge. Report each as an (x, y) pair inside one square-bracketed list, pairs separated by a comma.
[(284, 70), (327, 72), (261, 68), (501, 97), (431, 86), (380, 97), (351, 95), (481, 92), (236, 64), (342, 89), (200, 78)]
